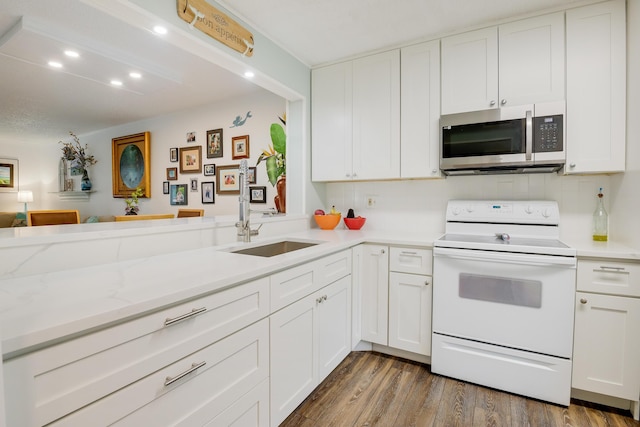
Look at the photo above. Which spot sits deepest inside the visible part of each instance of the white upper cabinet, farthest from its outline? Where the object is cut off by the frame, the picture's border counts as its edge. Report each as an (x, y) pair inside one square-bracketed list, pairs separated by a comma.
[(420, 106), (356, 119), (514, 64), (596, 88)]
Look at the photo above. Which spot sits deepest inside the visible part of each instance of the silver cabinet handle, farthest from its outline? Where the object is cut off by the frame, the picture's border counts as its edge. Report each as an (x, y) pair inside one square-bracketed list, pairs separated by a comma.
[(572, 165), (382, 251), (503, 102), (408, 253), (319, 300), (434, 170), (492, 103), (426, 283), (583, 301), (194, 366), (170, 321), (605, 267)]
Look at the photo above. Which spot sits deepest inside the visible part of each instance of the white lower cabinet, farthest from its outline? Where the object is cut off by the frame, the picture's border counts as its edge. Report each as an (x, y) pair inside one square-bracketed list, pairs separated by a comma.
[(309, 338), (410, 312), (606, 350), (374, 292)]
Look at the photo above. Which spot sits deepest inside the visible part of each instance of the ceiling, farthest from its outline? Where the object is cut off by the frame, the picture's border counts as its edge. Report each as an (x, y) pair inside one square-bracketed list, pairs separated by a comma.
[(39, 103)]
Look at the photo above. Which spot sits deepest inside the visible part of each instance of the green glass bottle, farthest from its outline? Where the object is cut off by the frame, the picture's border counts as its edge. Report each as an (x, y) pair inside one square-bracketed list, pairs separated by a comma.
[(600, 220)]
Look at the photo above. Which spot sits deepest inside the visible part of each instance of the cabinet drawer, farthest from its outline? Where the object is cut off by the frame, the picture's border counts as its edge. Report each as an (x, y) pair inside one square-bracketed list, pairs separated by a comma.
[(334, 267), (230, 369), (290, 285), (50, 383), (609, 277), (410, 260)]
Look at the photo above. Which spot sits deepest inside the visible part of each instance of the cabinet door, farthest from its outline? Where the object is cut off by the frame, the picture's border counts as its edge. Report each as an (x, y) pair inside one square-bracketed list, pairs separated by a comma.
[(420, 106), (331, 135), (410, 312), (531, 60), (606, 347), (293, 357), (374, 288), (334, 325), (596, 88), (376, 116), (470, 71)]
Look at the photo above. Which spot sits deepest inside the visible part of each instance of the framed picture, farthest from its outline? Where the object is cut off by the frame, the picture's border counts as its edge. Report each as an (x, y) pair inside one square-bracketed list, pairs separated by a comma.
[(240, 147), (172, 174), (194, 184), (165, 187), (178, 195), (209, 170), (191, 137), (251, 176), (8, 175), (173, 154), (208, 193), (257, 194), (131, 164), (214, 143), (191, 159), (228, 179)]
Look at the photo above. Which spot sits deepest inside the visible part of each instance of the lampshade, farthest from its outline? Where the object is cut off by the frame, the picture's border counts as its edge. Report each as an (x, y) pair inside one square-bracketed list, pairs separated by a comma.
[(25, 196)]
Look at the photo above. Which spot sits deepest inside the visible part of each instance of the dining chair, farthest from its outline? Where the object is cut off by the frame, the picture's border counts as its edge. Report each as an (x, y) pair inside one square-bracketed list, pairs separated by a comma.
[(53, 217)]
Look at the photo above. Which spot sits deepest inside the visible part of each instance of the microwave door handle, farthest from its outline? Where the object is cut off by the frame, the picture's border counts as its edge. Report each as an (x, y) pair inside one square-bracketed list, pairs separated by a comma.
[(528, 135)]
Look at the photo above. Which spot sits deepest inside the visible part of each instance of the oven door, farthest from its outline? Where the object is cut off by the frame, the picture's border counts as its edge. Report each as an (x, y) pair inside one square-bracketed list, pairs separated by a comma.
[(515, 300)]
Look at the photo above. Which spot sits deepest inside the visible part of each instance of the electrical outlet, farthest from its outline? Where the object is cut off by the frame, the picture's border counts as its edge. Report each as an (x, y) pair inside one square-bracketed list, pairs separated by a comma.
[(371, 202)]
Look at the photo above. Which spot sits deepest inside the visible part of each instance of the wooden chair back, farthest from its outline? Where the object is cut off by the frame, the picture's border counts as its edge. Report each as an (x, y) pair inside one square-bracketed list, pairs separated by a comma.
[(185, 213), (143, 217), (53, 217)]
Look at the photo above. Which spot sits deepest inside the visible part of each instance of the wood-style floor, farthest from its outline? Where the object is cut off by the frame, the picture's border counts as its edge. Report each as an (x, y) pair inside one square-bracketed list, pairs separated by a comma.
[(372, 389)]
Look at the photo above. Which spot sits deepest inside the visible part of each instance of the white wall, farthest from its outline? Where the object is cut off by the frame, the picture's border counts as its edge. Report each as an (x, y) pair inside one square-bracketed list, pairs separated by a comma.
[(39, 164)]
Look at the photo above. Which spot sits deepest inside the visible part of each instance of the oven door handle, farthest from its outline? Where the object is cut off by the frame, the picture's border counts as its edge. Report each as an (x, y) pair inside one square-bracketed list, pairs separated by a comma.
[(505, 257)]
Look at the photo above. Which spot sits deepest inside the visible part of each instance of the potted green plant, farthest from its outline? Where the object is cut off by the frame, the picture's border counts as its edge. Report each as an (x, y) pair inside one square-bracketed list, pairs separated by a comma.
[(275, 157), (132, 203)]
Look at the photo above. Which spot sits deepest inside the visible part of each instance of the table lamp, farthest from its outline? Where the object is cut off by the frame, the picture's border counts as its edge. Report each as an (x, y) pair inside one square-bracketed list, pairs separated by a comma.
[(25, 197)]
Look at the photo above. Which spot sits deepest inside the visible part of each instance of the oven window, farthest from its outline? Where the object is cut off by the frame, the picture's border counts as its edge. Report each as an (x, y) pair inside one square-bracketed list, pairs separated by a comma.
[(484, 139), (503, 290)]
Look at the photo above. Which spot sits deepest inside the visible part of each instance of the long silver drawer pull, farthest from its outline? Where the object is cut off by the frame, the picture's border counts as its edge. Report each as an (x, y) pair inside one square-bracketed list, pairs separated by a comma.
[(194, 366), (408, 253), (170, 321), (604, 267)]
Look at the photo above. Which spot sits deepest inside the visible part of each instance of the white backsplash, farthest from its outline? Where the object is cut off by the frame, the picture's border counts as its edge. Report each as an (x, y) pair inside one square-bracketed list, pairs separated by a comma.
[(419, 205)]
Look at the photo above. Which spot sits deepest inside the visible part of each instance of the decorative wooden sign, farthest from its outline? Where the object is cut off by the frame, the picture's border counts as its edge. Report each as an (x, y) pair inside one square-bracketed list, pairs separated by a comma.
[(214, 23)]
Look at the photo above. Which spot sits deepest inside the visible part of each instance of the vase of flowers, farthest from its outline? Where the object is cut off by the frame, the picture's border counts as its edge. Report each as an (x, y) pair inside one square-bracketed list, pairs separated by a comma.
[(76, 155), (132, 202), (275, 157)]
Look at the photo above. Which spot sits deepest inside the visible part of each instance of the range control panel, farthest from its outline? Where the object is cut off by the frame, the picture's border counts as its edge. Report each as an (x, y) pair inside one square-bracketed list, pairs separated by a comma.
[(504, 212), (547, 134)]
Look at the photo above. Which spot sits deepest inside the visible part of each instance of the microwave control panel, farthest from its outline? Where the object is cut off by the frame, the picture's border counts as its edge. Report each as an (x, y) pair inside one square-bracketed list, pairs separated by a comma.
[(547, 134)]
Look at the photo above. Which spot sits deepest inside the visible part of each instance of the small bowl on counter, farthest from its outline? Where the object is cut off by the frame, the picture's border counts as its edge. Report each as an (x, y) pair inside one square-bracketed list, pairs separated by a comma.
[(355, 223), (327, 222)]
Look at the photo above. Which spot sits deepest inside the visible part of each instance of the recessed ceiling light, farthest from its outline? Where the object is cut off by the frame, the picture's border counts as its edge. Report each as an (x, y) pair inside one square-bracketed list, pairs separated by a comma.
[(55, 64), (249, 74), (116, 82), (159, 29), (71, 53), (135, 75)]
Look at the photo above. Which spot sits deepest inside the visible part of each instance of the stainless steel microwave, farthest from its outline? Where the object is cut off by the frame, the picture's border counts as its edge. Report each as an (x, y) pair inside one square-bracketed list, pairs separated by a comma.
[(523, 139)]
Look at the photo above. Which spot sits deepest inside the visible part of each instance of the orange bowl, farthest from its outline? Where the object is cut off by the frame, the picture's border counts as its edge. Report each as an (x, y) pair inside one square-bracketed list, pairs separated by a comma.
[(327, 222), (354, 223)]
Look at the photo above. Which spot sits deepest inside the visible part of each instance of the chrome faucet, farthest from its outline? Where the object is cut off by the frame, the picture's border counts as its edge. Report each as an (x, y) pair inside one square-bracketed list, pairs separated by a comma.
[(243, 225)]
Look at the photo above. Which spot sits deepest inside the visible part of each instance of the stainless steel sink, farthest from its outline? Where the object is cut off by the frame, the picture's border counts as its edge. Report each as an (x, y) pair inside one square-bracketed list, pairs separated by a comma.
[(273, 249)]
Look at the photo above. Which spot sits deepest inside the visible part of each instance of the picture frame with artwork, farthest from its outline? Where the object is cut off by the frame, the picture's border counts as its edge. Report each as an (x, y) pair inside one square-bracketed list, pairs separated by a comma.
[(257, 194), (131, 164), (194, 184), (191, 159), (172, 174), (208, 192), (240, 147), (214, 143), (191, 137), (179, 195), (8, 175), (210, 169), (173, 154), (228, 179), (165, 187), (251, 176)]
